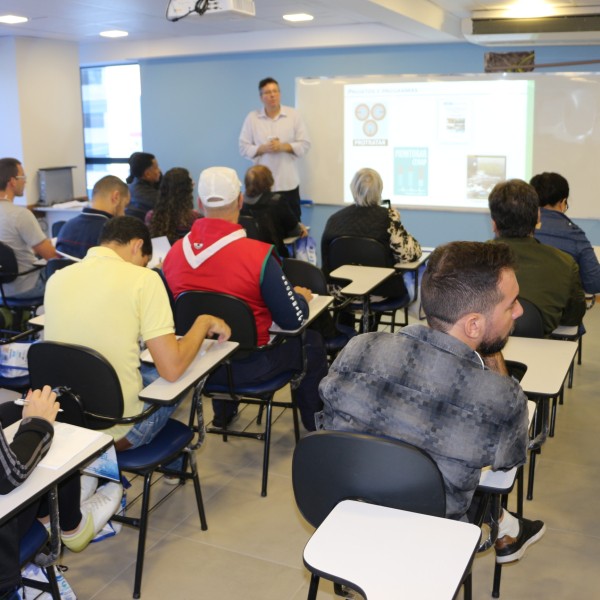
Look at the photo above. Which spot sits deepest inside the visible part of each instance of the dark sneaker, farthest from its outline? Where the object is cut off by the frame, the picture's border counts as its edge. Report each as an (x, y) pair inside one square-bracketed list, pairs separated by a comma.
[(509, 549), (219, 423)]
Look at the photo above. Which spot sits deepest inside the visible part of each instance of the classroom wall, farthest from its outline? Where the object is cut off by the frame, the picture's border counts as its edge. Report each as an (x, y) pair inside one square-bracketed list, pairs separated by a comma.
[(41, 119), (193, 109)]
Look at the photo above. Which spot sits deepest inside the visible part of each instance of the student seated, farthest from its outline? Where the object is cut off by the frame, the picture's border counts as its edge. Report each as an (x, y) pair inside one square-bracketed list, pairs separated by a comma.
[(108, 302), (80, 519), (174, 212), (549, 278), (20, 230), (272, 213), (216, 256), (445, 388), (556, 229), (110, 198), (143, 180)]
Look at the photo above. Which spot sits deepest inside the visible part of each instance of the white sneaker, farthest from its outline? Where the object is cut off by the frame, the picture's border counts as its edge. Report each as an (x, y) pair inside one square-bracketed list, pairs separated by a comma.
[(103, 504), (89, 483)]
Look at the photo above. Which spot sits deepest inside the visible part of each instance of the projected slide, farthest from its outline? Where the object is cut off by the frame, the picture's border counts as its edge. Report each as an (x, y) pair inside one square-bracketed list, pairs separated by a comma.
[(439, 143)]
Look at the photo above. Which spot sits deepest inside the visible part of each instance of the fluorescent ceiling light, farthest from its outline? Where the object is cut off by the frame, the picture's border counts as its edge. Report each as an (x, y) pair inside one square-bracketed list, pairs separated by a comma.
[(298, 17), (114, 33), (530, 9), (12, 19)]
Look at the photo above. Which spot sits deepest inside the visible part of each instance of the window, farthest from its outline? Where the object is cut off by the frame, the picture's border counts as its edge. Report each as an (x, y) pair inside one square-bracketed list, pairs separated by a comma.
[(112, 120)]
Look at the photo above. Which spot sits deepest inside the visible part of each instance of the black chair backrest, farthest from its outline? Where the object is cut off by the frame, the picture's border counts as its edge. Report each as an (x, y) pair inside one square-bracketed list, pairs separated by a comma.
[(86, 373), (250, 224), (56, 227), (9, 270), (56, 264), (331, 466), (530, 323), (235, 312), (167, 288), (300, 272), (369, 252)]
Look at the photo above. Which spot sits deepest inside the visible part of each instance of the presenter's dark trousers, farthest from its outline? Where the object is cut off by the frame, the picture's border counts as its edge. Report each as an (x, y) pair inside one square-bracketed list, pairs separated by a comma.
[(292, 197), (263, 366)]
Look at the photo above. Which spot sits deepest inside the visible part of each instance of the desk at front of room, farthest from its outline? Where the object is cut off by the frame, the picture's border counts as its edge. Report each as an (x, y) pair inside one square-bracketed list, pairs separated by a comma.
[(48, 216)]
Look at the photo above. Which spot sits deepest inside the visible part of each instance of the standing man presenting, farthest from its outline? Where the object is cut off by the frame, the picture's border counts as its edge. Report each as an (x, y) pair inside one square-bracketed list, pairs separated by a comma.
[(276, 136)]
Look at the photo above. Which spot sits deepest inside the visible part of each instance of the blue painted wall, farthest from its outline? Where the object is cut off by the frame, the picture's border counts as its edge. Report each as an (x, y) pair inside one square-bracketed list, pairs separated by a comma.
[(193, 108)]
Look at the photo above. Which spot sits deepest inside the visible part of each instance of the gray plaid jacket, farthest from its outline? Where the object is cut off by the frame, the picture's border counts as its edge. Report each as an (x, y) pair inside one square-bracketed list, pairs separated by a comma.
[(431, 390)]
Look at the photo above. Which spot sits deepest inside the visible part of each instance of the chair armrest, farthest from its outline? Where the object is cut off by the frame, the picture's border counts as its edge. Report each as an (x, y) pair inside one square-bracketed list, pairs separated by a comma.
[(124, 420)]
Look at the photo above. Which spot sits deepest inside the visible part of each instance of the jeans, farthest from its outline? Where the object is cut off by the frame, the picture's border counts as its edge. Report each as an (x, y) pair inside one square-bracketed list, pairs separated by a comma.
[(143, 432)]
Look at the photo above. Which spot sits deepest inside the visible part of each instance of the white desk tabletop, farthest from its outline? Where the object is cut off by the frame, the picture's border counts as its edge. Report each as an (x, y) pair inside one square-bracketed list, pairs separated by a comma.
[(211, 354), (547, 362), (413, 556), (315, 307), (503, 480), (363, 279), (90, 444), (414, 264)]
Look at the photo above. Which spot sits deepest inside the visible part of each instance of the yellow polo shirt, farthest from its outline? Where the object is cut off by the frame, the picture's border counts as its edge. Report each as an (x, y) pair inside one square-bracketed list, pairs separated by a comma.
[(108, 304)]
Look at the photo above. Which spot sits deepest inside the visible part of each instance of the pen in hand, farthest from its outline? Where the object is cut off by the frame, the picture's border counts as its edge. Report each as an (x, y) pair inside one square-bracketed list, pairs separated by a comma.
[(23, 402)]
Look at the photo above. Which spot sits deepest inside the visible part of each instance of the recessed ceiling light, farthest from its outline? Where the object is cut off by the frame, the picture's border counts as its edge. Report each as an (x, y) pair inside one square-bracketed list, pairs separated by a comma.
[(528, 9), (13, 19), (114, 33), (298, 17)]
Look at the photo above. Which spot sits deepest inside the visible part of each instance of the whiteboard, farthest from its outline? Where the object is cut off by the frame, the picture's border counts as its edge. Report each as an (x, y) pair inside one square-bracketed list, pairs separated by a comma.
[(557, 129)]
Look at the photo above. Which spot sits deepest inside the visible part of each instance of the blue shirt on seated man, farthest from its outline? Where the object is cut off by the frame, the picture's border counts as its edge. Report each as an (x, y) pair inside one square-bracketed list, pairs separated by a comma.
[(556, 229), (110, 197)]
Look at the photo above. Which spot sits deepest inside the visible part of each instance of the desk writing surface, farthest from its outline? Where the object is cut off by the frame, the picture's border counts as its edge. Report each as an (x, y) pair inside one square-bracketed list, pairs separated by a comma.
[(503, 480), (210, 355), (363, 279), (89, 444), (390, 553), (547, 362), (413, 265), (315, 307)]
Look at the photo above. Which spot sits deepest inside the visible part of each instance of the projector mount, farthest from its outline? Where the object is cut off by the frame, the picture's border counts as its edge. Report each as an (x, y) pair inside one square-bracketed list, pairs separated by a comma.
[(178, 9)]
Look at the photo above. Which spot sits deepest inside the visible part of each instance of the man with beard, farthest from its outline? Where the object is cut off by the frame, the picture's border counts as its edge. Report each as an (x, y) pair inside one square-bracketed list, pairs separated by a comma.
[(445, 388)]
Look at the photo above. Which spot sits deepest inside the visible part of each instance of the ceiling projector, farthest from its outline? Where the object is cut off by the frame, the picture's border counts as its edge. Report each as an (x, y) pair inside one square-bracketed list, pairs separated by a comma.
[(178, 9)]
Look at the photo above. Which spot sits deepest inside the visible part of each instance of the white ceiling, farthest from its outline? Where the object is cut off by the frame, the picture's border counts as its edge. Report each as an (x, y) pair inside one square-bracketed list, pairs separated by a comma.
[(336, 23)]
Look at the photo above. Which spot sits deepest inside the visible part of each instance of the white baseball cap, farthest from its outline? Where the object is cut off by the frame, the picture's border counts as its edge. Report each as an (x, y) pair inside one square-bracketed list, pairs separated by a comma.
[(218, 186)]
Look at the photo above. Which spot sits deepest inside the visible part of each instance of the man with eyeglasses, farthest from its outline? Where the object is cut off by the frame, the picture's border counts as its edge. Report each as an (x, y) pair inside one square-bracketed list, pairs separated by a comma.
[(20, 230), (276, 136)]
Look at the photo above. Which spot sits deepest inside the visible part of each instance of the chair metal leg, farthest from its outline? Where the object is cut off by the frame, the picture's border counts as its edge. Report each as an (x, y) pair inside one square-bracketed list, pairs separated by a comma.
[(497, 504), (532, 455), (145, 508), (267, 449), (51, 575), (198, 491), (497, 578), (314, 586), (553, 413), (571, 372), (468, 587), (520, 478)]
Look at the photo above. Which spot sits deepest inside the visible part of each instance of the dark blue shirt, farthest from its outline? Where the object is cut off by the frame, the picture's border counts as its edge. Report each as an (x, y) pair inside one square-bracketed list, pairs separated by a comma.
[(78, 235), (559, 231)]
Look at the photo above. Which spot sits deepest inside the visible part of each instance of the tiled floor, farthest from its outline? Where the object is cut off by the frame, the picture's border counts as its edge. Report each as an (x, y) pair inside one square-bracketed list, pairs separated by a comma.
[(253, 546)]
